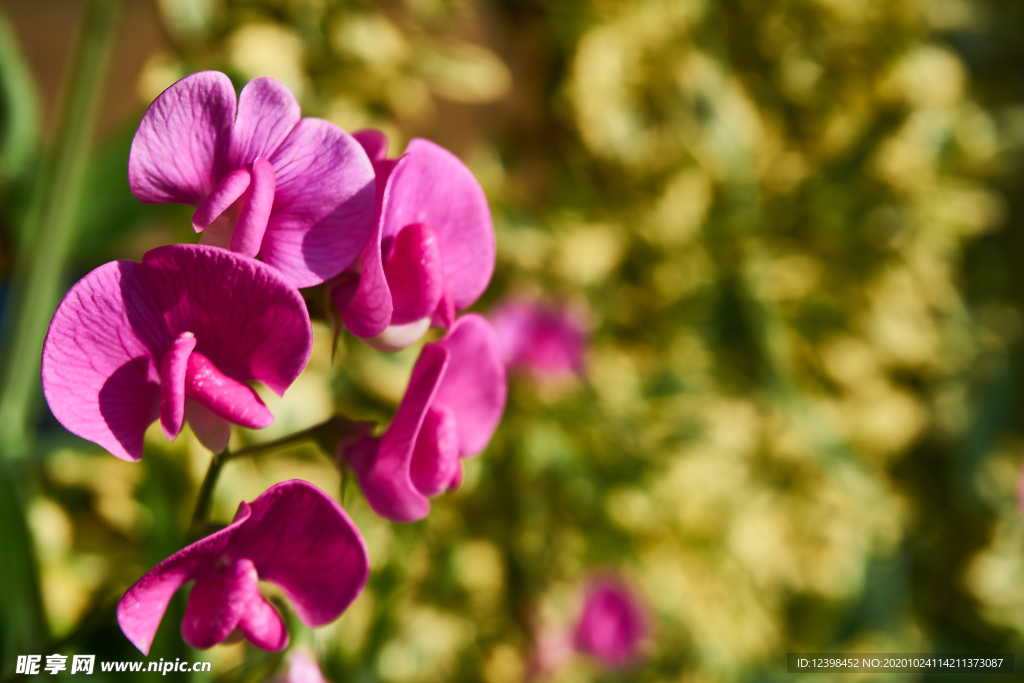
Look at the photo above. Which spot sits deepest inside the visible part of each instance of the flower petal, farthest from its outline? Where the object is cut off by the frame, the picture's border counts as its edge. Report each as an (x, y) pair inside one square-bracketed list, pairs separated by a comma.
[(267, 113), (384, 471), (223, 396), (549, 341), (101, 359), (252, 221), (364, 302), (140, 610), (213, 431), (247, 318), (432, 186), (226, 193), (263, 626), (172, 384), (612, 625), (435, 465), (374, 142), (474, 386), (324, 204), (218, 601), (174, 154), (414, 274), (300, 539)]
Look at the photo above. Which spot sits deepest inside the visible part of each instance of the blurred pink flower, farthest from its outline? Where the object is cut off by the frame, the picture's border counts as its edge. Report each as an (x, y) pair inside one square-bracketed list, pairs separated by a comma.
[(552, 648), (294, 536), (547, 340), (177, 336), (453, 405), (302, 668), (298, 192), (432, 251), (613, 625)]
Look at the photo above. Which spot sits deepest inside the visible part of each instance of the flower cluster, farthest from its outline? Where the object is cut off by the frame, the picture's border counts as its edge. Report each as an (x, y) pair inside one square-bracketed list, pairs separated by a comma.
[(283, 203)]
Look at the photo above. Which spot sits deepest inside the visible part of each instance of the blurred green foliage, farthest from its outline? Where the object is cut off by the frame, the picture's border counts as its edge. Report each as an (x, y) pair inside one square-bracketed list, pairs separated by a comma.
[(797, 229)]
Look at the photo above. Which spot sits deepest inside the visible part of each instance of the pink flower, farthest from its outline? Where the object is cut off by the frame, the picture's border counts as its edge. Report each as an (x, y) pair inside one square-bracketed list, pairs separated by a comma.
[(544, 339), (432, 251), (178, 336), (294, 536), (453, 404), (302, 668), (298, 192), (612, 626)]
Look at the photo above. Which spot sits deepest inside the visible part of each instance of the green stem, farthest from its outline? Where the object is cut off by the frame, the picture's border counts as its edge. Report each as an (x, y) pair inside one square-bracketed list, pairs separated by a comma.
[(327, 434), (49, 229), (21, 106), (205, 500)]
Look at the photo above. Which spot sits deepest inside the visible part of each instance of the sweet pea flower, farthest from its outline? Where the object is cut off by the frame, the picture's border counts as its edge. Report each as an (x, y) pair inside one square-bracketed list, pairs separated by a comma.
[(299, 192), (432, 250), (453, 404), (302, 668), (176, 337), (294, 536), (547, 340), (613, 625)]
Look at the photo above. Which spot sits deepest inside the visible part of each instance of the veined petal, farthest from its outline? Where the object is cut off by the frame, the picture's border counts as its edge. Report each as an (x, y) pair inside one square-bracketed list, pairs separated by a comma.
[(247, 318), (172, 384), (101, 359), (430, 185), (252, 221), (300, 539), (324, 205), (267, 113), (474, 386), (140, 610), (383, 466), (415, 274), (223, 396), (174, 155)]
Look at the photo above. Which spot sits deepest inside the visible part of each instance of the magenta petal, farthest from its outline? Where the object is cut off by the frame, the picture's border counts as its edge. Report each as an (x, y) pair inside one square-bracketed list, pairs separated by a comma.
[(365, 305), (227, 192), (374, 142), (549, 341), (414, 274), (252, 221), (267, 113), (219, 599), (384, 475), (263, 626), (300, 539), (435, 465), (140, 610), (172, 384), (247, 318), (324, 206), (174, 153), (223, 396), (474, 386), (101, 359), (213, 431), (430, 185), (612, 625)]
